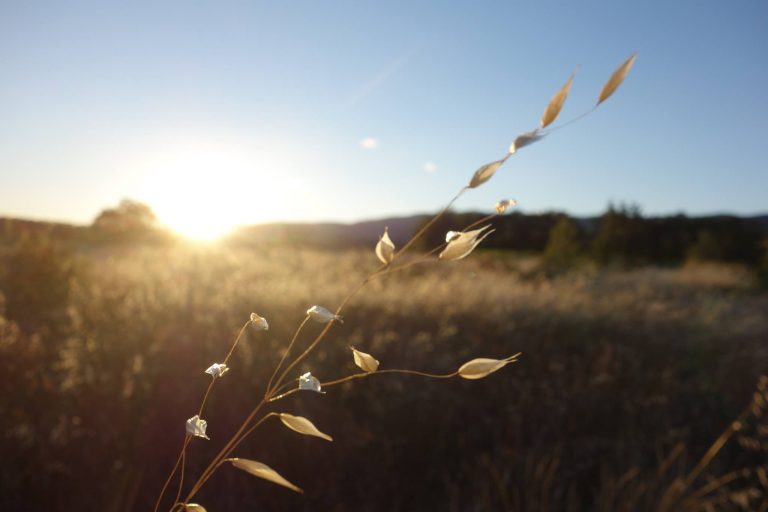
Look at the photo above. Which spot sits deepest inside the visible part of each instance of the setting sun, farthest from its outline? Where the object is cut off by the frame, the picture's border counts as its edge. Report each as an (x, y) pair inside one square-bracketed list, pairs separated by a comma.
[(204, 192)]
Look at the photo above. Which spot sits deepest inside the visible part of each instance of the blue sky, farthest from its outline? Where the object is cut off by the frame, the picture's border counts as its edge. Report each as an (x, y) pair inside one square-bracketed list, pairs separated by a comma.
[(257, 111)]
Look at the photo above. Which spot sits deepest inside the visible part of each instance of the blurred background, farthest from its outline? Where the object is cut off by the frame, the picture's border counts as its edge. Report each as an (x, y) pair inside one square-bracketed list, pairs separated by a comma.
[(165, 170)]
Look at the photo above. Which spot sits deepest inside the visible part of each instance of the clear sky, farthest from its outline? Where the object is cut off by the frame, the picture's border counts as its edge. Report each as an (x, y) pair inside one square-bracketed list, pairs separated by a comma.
[(324, 110)]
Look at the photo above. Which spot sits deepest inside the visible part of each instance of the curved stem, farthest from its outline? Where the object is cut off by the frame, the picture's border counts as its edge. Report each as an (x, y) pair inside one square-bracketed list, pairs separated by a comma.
[(224, 454), (237, 340), (285, 354), (405, 372), (173, 472), (280, 397), (574, 120), (182, 453), (481, 221), (224, 451), (276, 393), (306, 352), (430, 223), (181, 477), (250, 430), (205, 397), (713, 450)]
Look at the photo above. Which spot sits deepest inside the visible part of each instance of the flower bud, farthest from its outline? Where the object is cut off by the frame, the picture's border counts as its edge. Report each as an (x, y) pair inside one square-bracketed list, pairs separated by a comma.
[(196, 427), (504, 204), (322, 315), (460, 244), (309, 383), (385, 249), (217, 370), (259, 322)]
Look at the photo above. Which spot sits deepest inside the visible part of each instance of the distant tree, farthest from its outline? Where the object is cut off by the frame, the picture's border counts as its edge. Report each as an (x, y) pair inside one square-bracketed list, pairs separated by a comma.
[(707, 247), (128, 216), (131, 221), (565, 245), (763, 264), (622, 237)]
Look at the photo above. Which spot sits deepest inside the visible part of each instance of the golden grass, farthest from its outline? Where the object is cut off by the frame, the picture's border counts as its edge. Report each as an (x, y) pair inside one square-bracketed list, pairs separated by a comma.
[(619, 368)]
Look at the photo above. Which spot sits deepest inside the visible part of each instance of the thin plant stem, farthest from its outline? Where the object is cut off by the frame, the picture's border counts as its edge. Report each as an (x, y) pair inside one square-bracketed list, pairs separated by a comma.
[(181, 477), (250, 430), (713, 450), (481, 221), (425, 258), (285, 354), (283, 395), (224, 454), (367, 374), (309, 349), (711, 486), (430, 223), (173, 472), (205, 397), (281, 389), (224, 451), (378, 372), (574, 120), (181, 460), (237, 340)]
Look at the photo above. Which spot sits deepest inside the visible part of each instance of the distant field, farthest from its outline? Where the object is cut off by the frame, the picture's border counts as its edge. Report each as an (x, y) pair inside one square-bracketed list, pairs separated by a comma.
[(626, 378)]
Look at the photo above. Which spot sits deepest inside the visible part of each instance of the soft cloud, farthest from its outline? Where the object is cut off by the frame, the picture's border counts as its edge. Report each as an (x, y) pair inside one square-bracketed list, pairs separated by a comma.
[(430, 166), (369, 143)]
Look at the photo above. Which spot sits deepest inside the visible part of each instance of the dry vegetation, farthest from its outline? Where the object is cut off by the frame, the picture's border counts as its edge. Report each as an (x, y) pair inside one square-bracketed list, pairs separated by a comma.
[(627, 378), (639, 390)]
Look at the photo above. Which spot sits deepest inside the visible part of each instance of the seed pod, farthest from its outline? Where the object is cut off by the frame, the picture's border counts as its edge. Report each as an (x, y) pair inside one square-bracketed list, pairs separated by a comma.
[(366, 362), (302, 426)]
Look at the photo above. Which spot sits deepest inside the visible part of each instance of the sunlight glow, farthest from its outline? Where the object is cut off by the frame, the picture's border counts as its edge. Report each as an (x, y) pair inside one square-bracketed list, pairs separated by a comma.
[(204, 191)]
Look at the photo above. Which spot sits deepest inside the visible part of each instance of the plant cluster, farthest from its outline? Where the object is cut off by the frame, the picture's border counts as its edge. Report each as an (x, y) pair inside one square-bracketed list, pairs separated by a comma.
[(282, 382)]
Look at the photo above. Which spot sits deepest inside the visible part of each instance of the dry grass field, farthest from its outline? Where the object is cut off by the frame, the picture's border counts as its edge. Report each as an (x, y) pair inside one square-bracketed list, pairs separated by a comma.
[(627, 378)]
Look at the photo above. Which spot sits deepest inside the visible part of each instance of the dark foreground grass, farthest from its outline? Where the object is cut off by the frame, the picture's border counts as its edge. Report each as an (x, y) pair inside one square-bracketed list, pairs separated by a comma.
[(626, 379)]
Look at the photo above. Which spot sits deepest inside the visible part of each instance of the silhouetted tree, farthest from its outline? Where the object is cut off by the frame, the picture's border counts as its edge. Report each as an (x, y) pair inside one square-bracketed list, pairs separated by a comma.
[(131, 221), (565, 245), (622, 237)]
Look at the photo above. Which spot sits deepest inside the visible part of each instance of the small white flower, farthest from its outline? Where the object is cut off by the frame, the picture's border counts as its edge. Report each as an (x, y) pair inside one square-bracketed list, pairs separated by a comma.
[(310, 383), (217, 370), (505, 204), (259, 322), (462, 243), (322, 315), (196, 427)]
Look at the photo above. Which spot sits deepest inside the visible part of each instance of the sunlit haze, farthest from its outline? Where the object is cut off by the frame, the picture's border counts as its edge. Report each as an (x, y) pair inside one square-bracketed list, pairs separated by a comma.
[(203, 190), (218, 114)]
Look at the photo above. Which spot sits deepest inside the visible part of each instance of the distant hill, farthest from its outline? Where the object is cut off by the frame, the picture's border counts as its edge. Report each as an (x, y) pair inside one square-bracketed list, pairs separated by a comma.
[(667, 239), (328, 234), (12, 229)]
